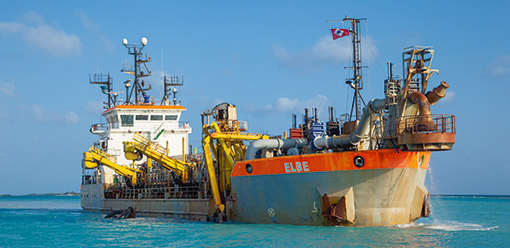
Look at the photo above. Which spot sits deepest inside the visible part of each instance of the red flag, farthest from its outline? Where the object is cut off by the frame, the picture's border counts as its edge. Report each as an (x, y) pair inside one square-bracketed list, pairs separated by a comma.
[(339, 33)]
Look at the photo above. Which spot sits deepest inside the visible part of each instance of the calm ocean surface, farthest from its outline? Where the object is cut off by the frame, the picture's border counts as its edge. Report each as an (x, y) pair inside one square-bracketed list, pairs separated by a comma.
[(57, 221)]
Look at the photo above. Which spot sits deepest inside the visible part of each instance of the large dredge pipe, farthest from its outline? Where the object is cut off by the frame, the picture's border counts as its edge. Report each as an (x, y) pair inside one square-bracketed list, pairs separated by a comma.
[(272, 144), (375, 105), (437, 93), (424, 121)]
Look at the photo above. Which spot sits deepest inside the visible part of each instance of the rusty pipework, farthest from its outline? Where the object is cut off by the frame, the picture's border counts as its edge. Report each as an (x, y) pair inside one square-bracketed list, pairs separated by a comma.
[(425, 122), (437, 93)]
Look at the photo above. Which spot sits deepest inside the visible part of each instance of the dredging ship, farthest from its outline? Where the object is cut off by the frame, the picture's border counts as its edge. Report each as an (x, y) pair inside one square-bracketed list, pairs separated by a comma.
[(365, 169)]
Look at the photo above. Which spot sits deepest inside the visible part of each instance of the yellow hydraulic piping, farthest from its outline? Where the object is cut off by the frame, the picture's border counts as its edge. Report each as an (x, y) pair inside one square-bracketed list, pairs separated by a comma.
[(183, 151), (95, 156), (238, 148), (228, 149), (225, 156), (212, 175), (237, 136)]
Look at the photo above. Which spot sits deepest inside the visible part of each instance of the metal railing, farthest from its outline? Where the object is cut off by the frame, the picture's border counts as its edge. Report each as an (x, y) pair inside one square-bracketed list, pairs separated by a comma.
[(98, 127), (232, 126), (440, 124), (112, 191), (184, 125)]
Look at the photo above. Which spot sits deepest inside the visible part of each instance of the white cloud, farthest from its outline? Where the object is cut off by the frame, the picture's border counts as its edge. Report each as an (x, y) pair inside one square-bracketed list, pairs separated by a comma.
[(42, 115), (287, 105), (500, 67), (449, 97), (7, 89), (33, 17), (95, 29), (94, 107), (71, 118), (43, 36), (325, 51)]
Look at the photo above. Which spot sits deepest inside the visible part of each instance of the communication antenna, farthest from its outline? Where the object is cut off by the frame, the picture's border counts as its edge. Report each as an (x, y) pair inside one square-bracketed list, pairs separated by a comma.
[(139, 70), (169, 87), (105, 82)]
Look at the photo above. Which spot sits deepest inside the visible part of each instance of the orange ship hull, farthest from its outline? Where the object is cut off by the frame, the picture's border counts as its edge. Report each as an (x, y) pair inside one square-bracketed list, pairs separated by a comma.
[(361, 188)]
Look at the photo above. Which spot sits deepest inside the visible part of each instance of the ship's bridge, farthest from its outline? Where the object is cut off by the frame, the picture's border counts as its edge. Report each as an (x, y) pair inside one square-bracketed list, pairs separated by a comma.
[(145, 118), (159, 123)]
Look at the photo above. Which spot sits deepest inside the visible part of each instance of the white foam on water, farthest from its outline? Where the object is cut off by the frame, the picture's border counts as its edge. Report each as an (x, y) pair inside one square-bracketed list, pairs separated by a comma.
[(448, 226), (454, 226)]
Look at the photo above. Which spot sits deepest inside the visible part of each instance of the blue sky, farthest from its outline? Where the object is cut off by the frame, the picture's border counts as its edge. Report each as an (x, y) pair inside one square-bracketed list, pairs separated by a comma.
[(270, 58)]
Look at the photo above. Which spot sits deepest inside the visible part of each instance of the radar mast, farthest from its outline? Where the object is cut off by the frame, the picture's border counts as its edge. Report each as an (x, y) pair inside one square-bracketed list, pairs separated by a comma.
[(139, 70), (356, 82)]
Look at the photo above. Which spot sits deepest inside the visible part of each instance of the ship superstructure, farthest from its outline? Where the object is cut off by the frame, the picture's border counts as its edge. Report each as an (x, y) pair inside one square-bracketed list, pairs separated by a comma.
[(135, 127)]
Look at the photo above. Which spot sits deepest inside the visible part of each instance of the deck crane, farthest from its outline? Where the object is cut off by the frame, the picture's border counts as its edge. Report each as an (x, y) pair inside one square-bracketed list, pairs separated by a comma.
[(153, 150), (223, 146), (94, 157)]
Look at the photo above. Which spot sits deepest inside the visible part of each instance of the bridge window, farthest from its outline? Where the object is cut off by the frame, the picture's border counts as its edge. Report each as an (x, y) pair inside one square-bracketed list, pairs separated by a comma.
[(156, 117), (142, 117), (113, 122), (126, 120), (170, 117)]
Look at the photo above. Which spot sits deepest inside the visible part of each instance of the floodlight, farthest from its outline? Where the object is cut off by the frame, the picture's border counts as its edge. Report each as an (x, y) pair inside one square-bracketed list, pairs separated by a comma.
[(144, 41)]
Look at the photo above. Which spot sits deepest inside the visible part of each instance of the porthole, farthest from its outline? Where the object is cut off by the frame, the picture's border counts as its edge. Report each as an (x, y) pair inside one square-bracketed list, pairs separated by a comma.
[(249, 169), (359, 161)]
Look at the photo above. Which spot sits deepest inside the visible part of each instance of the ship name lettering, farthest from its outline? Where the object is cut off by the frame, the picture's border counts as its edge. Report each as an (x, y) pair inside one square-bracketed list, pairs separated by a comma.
[(296, 167)]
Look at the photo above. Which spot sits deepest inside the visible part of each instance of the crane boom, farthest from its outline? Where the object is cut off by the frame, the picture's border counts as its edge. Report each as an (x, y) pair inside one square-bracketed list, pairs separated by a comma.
[(94, 157), (158, 153)]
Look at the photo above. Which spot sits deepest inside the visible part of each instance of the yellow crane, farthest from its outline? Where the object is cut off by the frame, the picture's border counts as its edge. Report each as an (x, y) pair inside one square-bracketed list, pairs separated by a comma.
[(94, 157), (223, 141), (156, 152)]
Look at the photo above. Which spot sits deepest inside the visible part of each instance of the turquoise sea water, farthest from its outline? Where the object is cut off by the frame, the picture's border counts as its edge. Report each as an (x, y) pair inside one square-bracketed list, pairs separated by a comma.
[(57, 221)]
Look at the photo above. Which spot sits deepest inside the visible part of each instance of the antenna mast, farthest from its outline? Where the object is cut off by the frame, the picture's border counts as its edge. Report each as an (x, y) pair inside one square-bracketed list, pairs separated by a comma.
[(356, 82), (169, 84), (105, 82), (137, 70)]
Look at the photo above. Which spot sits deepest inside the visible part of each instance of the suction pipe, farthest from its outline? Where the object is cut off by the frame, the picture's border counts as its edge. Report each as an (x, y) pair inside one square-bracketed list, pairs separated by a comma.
[(272, 144), (437, 93), (375, 105), (424, 119)]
